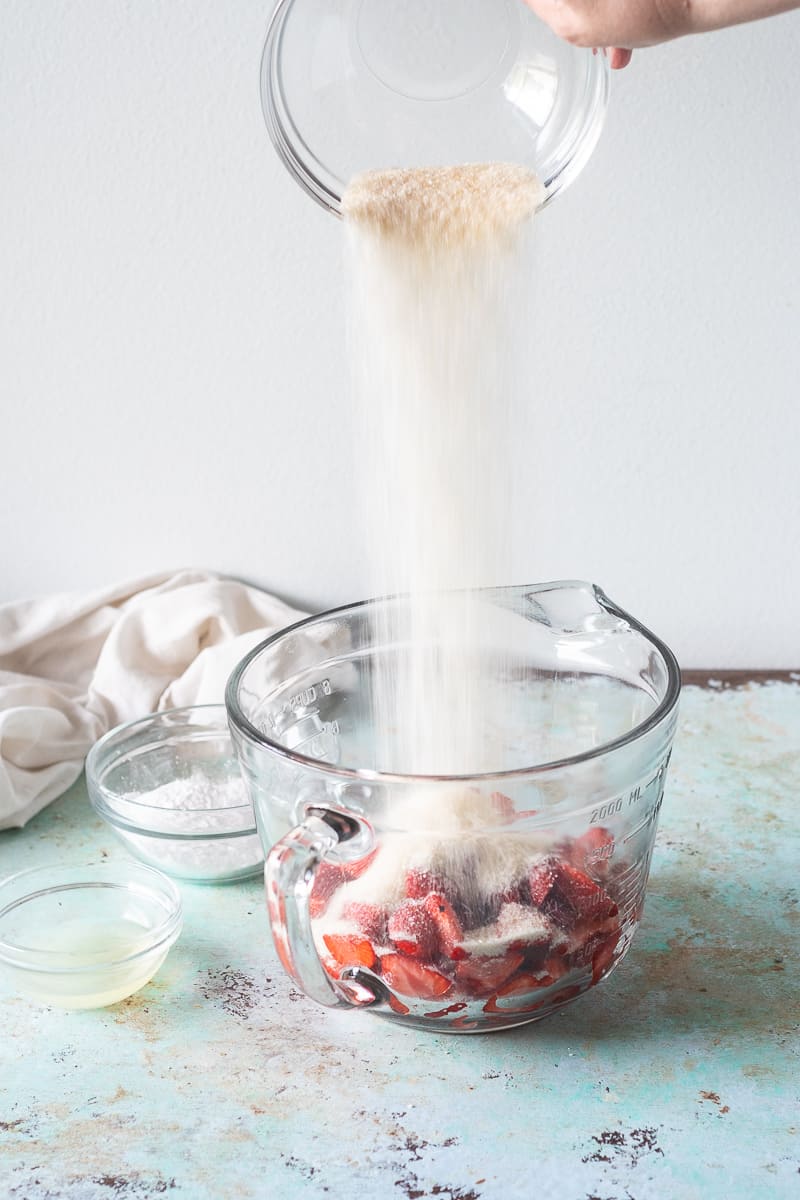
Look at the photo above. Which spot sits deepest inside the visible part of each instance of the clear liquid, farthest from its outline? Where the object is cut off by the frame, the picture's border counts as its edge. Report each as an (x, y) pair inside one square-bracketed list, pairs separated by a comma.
[(85, 970)]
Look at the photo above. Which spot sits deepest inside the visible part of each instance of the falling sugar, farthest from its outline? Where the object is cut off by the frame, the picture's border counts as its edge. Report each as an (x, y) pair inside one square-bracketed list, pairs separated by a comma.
[(439, 270)]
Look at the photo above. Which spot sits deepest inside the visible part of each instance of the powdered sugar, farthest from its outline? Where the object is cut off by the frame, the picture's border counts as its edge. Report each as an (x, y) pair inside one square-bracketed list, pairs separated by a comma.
[(198, 827)]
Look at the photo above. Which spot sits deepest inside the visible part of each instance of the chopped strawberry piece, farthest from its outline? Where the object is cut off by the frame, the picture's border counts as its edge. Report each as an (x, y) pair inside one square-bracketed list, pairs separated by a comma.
[(567, 894), (503, 806), (397, 1005), (349, 950), (354, 868), (370, 919), (420, 883), (449, 928), (526, 982), (603, 956), (555, 967), (541, 878), (412, 978), (413, 931), (481, 977), (327, 879), (330, 964), (491, 1006), (592, 849), (585, 897)]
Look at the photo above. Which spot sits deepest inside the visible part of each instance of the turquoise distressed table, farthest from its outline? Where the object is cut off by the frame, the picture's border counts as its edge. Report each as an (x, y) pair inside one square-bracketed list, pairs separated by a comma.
[(678, 1078)]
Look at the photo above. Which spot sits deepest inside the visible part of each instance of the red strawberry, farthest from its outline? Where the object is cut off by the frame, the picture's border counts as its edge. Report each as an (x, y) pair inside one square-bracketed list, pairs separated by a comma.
[(591, 849), (503, 806), (370, 919), (413, 931), (420, 882), (603, 957), (447, 924), (525, 982), (411, 978), (585, 897), (327, 879), (481, 977), (397, 1005), (330, 877), (349, 950), (491, 1006), (541, 879), (355, 867)]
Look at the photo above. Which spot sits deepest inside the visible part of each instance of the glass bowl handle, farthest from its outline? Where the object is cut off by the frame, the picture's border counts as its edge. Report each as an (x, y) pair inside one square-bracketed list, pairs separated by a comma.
[(289, 873)]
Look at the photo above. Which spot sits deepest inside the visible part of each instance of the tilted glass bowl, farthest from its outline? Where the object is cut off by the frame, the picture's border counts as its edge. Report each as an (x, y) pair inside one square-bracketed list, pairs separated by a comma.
[(355, 85), (538, 896)]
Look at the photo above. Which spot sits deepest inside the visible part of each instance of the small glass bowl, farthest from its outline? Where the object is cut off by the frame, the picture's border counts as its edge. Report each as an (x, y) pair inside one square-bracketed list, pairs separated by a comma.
[(86, 936), (170, 787), (355, 85)]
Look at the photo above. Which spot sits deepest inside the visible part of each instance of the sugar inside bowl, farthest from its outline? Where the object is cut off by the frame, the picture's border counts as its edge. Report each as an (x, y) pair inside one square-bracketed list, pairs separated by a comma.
[(88, 935), (170, 787)]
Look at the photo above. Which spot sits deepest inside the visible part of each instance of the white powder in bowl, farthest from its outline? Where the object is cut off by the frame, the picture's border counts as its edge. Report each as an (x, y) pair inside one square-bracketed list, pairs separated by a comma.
[(212, 822)]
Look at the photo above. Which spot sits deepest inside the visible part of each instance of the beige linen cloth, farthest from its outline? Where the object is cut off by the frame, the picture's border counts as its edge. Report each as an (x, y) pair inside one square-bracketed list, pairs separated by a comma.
[(73, 666)]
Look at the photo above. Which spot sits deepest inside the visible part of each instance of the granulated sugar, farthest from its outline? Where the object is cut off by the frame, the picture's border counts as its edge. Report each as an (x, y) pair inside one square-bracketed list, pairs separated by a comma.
[(440, 269)]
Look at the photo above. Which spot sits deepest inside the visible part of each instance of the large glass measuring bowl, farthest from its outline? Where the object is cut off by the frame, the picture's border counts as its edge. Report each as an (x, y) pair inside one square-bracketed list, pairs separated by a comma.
[(533, 895), (354, 85)]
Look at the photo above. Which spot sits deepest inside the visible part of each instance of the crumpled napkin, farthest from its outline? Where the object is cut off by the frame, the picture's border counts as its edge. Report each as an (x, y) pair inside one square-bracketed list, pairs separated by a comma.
[(73, 666)]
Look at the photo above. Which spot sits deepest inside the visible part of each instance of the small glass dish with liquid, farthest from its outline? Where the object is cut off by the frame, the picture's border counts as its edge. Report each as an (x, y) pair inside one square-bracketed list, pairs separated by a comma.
[(86, 936)]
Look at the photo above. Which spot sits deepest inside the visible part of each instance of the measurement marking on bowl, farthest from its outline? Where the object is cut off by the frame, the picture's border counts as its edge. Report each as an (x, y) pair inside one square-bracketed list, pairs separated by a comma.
[(650, 816)]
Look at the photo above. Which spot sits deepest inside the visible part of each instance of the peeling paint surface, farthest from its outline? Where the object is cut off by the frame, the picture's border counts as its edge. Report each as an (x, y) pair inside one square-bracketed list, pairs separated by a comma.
[(676, 1078)]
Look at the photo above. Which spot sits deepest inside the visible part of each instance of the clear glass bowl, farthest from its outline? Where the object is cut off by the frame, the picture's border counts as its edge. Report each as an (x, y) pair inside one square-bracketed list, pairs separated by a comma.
[(86, 936), (170, 787), (353, 85), (536, 895)]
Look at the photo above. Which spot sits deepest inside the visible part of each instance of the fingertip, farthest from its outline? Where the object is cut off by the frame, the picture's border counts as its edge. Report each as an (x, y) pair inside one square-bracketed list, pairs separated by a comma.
[(618, 58)]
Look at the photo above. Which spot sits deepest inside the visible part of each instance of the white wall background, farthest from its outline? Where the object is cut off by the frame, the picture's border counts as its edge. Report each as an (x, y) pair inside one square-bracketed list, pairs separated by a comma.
[(171, 333)]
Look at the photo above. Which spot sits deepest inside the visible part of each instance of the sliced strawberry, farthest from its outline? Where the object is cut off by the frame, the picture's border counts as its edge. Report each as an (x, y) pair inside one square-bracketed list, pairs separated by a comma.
[(330, 964), (491, 1006), (479, 977), (449, 929), (411, 978), (555, 966), (413, 931), (503, 805), (541, 878), (370, 919), (525, 982), (354, 868), (397, 1005), (592, 849), (584, 896), (349, 950), (327, 879), (419, 883), (604, 953)]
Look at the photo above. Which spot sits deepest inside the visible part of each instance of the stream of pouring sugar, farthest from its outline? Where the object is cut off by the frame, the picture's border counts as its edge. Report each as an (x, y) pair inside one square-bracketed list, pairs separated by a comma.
[(439, 267)]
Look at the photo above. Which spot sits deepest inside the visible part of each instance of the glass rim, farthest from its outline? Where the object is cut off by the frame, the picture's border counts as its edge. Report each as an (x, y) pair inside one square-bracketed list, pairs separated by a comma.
[(35, 959), (660, 713), (94, 769)]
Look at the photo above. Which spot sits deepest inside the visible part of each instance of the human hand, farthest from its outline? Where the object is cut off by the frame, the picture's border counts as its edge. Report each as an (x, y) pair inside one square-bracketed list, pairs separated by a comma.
[(633, 23), (619, 25)]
